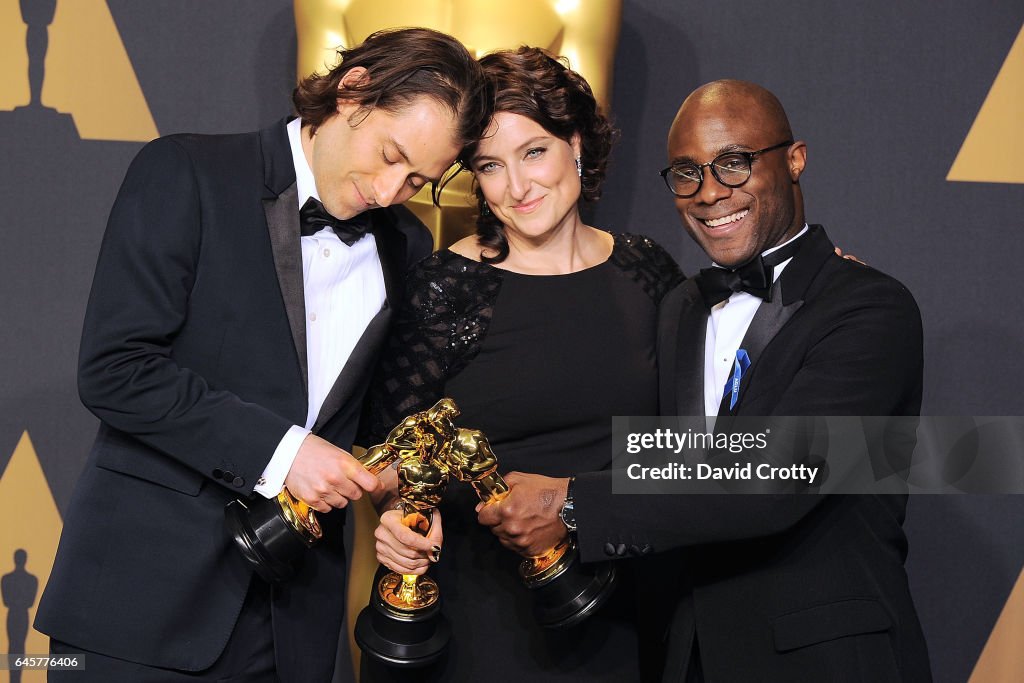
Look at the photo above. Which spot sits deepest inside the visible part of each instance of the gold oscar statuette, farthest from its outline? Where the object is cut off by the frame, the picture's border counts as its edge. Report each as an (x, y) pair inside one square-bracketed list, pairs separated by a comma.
[(565, 592), (403, 625), (274, 533)]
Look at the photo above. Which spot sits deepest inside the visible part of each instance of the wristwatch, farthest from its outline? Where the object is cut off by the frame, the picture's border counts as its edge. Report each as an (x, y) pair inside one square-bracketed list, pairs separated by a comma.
[(568, 511)]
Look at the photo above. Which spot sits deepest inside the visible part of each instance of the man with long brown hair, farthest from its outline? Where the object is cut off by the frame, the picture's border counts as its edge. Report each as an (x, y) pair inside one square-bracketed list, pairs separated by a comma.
[(243, 288)]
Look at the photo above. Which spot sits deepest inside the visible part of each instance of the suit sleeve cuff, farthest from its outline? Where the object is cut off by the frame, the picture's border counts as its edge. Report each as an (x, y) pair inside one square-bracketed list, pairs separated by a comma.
[(271, 481), (590, 499)]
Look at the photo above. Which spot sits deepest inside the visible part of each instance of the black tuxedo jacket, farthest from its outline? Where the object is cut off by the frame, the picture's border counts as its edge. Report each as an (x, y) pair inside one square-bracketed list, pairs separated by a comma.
[(781, 587), (193, 356)]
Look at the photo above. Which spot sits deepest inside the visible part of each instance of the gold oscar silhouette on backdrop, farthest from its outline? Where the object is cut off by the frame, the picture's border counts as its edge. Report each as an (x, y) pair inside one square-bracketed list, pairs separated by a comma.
[(31, 540), (584, 32), (64, 70), (37, 16)]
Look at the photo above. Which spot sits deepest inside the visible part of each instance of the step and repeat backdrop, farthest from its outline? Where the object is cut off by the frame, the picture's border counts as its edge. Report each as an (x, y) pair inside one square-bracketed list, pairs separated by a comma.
[(913, 114)]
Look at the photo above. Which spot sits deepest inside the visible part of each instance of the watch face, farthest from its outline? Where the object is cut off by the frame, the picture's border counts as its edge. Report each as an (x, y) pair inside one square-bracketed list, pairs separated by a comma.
[(568, 515)]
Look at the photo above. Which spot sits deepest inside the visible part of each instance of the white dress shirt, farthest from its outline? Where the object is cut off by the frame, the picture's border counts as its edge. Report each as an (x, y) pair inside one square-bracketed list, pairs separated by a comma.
[(343, 288), (727, 325)]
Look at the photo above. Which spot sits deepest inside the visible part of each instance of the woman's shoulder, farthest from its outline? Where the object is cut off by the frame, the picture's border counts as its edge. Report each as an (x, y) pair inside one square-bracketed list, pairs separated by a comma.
[(455, 259), (449, 281), (444, 266), (647, 263), (468, 248), (642, 247)]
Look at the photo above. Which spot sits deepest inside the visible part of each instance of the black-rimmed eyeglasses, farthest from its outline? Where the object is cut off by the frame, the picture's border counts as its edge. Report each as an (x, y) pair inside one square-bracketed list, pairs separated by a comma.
[(731, 169)]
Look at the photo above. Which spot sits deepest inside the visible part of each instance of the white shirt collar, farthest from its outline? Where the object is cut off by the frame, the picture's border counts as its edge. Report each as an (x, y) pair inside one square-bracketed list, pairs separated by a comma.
[(305, 184), (806, 228), (777, 271)]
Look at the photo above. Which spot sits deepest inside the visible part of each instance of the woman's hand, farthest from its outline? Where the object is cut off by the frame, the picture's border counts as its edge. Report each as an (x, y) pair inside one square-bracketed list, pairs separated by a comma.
[(401, 549)]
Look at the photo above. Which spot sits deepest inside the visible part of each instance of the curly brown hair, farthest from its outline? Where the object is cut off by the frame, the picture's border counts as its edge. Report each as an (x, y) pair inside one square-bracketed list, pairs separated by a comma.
[(402, 65), (530, 82)]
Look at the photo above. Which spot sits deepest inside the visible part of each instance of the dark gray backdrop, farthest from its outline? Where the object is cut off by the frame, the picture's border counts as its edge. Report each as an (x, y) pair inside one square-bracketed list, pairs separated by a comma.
[(883, 92)]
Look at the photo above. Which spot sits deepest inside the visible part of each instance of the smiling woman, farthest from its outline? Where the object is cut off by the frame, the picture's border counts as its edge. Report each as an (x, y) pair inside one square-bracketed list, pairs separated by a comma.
[(540, 327), (547, 115), (529, 180)]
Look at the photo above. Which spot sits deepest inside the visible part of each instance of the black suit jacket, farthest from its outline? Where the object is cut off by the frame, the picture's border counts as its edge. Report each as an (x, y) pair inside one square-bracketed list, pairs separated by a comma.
[(782, 587), (193, 356)]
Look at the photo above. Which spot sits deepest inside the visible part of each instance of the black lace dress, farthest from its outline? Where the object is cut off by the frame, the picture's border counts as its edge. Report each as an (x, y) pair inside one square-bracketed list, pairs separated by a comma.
[(540, 363)]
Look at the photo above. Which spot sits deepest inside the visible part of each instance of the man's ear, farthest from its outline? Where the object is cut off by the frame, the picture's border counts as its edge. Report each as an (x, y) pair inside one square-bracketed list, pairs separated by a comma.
[(796, 158), (354, 77)]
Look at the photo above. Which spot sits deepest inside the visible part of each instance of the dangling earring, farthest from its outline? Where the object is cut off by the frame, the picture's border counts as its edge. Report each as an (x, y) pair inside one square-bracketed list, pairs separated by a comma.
[(486, 211), (579, 167)]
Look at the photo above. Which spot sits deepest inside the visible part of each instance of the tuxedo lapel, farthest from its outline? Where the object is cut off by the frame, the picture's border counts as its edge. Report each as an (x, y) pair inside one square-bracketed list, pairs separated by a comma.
[(281, 208), (771, 316), (788, 294), (391, 246), (283, 223), (689, 352), (391, 249)]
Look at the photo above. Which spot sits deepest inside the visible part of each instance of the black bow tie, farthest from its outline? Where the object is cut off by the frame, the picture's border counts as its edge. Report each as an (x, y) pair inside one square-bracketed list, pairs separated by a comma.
[(313, 218), (753, 277)]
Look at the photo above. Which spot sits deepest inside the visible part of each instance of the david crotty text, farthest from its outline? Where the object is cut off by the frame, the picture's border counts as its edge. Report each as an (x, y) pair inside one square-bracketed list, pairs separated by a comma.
[(703, 471)]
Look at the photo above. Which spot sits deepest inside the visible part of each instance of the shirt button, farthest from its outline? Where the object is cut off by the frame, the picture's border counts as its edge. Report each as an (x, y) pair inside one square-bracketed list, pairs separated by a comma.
[(312, 317), (327, 253)]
